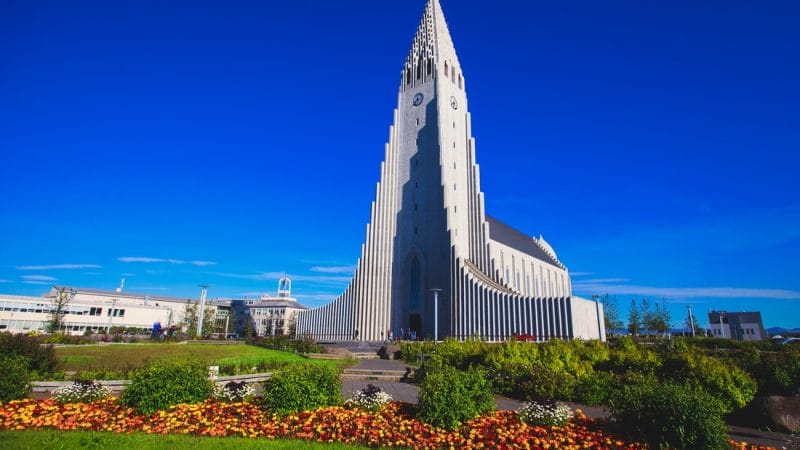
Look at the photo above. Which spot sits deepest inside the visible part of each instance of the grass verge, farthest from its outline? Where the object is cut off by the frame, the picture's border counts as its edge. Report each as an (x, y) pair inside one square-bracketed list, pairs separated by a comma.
[(53, 439)]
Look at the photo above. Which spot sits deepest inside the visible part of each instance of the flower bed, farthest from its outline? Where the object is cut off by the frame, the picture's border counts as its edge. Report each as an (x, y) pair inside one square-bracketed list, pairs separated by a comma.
[(393, 425)]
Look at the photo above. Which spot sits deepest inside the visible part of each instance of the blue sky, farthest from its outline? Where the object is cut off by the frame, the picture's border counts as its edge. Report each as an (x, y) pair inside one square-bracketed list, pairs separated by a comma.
[(173, 143)]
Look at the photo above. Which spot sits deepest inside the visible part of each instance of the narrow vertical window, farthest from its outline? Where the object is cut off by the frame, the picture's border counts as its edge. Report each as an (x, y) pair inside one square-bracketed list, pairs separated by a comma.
[(446, 67)]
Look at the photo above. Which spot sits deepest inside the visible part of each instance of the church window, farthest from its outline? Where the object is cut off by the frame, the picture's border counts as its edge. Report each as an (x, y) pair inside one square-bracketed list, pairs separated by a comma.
[(446, 67), (415, 207), (408, 76), (419, 72), (454, 124), (454, 166), (454, 187), (460, 82), (455, 209), (417, 121), (416, 184)]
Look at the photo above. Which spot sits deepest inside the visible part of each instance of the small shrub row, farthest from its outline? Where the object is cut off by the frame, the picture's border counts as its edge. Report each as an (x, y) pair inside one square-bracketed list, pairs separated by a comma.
[(303, 344)]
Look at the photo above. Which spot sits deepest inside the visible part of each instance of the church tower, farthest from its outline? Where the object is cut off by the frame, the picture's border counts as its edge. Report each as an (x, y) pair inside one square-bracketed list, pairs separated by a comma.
[(428, 230)]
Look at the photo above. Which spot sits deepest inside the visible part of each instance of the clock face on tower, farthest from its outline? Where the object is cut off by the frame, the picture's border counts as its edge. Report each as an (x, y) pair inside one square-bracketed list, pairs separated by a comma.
[(454, 102), (418, 99)]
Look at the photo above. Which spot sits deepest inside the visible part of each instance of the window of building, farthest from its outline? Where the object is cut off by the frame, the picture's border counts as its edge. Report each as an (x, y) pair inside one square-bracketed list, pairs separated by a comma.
[(95, 311)]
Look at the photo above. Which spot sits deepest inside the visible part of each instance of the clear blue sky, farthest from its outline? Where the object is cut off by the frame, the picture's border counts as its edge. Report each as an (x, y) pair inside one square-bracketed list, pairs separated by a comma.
[(654, 144)]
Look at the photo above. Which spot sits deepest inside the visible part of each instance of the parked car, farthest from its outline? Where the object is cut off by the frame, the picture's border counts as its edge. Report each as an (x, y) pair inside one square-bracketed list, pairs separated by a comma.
[(790, 341)]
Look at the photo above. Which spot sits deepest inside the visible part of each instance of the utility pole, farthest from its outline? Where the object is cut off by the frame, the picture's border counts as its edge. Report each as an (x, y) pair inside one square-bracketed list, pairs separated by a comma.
[(204, 288), (691, 319)]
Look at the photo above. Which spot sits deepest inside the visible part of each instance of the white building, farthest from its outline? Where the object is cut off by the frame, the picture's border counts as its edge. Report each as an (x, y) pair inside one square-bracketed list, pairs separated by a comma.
[(742, 326), (428, 231), (94, 309), (271, 315)]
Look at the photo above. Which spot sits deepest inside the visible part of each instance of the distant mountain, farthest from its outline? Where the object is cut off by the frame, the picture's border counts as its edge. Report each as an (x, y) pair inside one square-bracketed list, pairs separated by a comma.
[(779, 330)]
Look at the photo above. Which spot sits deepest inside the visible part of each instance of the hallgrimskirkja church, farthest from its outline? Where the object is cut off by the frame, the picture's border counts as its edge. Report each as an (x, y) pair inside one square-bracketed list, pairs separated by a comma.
[(433, 263)]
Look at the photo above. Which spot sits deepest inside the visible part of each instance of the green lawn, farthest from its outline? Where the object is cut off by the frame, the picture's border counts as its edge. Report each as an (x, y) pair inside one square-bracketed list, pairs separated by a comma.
[(51, 439), (126, 357)]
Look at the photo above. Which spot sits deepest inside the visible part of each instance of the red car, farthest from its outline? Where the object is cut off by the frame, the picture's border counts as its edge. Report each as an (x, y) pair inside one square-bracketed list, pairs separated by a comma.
[(525, 337)]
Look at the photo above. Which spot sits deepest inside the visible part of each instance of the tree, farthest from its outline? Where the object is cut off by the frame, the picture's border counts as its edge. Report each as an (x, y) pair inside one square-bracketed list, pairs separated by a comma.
[(249, 328), (634, 319), (664, 317), (647, 314), (189, 322), (660, 318), (59, 309), (610, 313)]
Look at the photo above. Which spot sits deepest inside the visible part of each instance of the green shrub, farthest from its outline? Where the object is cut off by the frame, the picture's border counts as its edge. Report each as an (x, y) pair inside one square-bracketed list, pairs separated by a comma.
[(15, 381), (626, 356), (776, 372), (546, 383), (302, 388), (42, 362), (670, 415), (449, 397), (595, 389), (164, 384), (728, 383)]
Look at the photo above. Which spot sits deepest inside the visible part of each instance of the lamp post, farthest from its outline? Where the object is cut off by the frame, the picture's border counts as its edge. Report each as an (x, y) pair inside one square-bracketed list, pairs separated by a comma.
[(204, 288), (436, 313)]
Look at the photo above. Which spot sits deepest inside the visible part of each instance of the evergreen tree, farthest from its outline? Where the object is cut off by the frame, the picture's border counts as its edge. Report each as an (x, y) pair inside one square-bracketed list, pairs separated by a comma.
[(634, 319), (646, 315), (611, 313)]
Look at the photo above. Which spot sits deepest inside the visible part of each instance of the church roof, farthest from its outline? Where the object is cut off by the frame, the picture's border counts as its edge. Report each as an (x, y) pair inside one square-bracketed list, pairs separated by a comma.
[(505, 234)]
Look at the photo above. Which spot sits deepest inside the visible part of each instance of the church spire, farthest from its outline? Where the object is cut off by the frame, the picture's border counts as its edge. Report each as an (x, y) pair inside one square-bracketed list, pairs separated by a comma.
[(430, 48)]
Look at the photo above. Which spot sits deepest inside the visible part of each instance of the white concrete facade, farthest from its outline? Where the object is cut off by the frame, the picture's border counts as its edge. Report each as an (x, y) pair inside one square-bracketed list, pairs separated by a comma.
[(428, 230), (21, 314)]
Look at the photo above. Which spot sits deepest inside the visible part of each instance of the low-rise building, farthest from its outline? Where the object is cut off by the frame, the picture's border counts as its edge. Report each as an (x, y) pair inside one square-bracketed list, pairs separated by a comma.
[(742, 326), (98, 310)]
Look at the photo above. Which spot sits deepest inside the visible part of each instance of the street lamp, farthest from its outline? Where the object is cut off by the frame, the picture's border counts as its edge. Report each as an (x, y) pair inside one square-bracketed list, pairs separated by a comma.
[(436, 313)]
